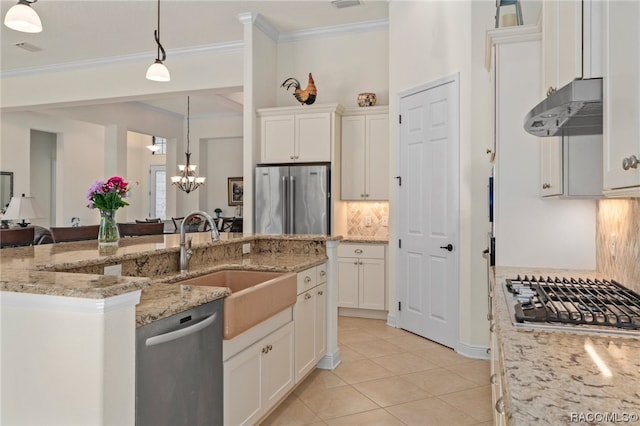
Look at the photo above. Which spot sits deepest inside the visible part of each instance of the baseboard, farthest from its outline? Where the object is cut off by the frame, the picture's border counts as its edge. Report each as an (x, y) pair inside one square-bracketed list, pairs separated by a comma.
[(392, 321), (472, 351), (362, 313), (329, 361)]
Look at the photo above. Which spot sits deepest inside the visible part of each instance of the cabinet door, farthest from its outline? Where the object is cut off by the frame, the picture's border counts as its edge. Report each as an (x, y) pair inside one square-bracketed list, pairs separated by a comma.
[(348, 282), (562, 42), (242, 395), (353, 158), (304, 332), (321, 321), (377, 161), (277, 365), (313, 137), (551, 162), (277, 139), (622, 86), (372, 284)]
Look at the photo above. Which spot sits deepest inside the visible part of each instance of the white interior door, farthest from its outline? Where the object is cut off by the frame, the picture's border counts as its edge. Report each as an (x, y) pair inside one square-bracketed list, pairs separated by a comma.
[(158, 191), (428, 216)]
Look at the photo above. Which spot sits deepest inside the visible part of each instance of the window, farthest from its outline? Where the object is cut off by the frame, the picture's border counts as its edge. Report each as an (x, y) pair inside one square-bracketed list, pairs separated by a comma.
[(162, 143)]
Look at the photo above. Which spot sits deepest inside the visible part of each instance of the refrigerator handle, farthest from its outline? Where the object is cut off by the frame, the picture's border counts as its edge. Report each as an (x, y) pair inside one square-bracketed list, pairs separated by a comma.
[(292, 203), (285, 201)]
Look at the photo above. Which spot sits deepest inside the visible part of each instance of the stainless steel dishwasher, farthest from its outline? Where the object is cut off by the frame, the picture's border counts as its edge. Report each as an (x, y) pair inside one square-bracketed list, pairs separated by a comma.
[(179, 369)]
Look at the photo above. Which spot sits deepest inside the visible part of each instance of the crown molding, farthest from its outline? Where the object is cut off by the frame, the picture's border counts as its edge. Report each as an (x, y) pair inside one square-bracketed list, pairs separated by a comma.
[(245, 18)]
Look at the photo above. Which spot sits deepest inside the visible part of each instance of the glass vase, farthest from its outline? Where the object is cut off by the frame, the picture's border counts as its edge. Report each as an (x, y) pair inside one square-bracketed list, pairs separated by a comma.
[(108, 234)]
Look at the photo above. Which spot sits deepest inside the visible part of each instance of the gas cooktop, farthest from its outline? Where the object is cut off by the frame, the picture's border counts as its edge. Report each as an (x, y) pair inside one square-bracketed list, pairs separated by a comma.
[(589, 305)]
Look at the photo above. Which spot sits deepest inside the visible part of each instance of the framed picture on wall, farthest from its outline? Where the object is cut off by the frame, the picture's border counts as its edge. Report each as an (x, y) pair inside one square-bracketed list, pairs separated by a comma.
[(235, 190)]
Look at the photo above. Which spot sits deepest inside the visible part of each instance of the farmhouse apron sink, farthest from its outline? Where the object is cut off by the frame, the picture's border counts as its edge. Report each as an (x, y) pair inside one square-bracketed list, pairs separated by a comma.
[(255, 296)]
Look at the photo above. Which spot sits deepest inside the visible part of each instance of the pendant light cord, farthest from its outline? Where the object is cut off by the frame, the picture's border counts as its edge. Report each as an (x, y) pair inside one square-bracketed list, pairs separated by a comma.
[(156, 35), (188, 114)]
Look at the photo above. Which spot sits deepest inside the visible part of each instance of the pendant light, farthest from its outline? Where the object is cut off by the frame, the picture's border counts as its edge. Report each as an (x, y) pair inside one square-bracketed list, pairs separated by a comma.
[(187, 178), (21, 17), (158, 71)]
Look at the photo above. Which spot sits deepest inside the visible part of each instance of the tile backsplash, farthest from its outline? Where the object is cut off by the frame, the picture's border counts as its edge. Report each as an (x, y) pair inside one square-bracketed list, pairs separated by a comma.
[(618, 241), (368, 219)]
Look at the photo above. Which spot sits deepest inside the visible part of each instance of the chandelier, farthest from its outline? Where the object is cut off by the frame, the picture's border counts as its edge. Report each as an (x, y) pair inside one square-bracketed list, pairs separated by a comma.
[(187, 178)]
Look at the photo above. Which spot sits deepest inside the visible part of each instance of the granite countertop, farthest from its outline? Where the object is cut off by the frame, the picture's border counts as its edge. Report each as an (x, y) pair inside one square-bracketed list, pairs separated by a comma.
[(365, 239), (558, 377), (61, 269)]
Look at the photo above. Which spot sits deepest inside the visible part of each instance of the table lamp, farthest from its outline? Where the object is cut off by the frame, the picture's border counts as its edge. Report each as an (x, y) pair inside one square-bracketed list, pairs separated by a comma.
[(22, 208)]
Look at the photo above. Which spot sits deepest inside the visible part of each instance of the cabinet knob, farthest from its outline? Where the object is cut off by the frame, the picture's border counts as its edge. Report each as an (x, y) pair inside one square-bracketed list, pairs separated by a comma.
[(500, 406), (492, 327), (320, 293), (493, 380), (291, 157), (307, 279), (550, 90), (546, 185), (323, 273), (307, 296), (630, 163)]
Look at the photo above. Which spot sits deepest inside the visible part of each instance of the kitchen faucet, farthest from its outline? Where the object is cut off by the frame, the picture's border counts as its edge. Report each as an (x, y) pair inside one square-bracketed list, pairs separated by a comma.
[(185, 249)]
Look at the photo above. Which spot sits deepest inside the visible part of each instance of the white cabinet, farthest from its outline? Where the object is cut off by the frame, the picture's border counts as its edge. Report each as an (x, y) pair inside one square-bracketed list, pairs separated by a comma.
[(293, 135), (310, 320), (571, 41), (622, 106), (571, 166), (258, 377), (361, 276), (365, 154)]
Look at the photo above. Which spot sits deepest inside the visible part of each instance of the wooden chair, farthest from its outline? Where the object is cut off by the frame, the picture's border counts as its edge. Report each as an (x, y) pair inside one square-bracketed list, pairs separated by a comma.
[(74, 233), (137, 229), (176, 223), (16, 237), (236, 225)]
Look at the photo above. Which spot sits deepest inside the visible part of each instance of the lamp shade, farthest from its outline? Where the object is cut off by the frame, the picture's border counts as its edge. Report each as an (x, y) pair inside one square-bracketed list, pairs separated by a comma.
[(157, 71), (21, 17), (22, 208)]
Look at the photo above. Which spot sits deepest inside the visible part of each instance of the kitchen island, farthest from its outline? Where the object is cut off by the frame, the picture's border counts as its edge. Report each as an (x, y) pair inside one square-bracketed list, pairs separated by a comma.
[(562, 377), (68, 328)]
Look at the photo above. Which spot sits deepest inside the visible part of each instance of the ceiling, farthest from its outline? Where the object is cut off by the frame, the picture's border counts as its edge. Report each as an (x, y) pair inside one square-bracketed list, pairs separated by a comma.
[(83, 30)]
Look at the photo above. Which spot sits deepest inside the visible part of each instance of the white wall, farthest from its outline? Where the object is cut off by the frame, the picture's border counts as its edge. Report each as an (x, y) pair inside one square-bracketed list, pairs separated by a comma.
[(42, 158), (224, 159), (427, 41), (79, 160)]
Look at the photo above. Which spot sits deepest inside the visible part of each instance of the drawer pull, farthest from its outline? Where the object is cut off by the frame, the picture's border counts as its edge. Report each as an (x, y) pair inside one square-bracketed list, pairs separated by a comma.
[(358, 251), (630, 163)]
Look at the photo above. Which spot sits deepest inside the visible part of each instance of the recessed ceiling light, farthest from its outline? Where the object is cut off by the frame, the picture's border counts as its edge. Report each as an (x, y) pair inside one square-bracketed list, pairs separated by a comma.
[(345, 3)]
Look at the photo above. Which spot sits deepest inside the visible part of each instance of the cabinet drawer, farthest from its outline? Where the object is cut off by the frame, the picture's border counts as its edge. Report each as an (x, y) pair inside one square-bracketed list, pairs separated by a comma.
[(307, 279), (321, 273), (370, 251)]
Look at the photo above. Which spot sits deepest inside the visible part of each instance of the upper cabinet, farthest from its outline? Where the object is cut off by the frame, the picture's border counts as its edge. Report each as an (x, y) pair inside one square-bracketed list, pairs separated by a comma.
[(571, 41), (365, 153), (298, 134), (622, 103)]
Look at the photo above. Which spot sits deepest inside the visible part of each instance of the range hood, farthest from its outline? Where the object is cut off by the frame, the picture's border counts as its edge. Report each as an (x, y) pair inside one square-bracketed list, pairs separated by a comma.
[(573, 110)]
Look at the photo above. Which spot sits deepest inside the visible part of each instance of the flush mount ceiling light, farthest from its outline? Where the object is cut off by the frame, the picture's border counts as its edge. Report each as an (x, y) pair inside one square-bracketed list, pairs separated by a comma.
[(345, 3), (158, 71), (21, 17), (187, 179)]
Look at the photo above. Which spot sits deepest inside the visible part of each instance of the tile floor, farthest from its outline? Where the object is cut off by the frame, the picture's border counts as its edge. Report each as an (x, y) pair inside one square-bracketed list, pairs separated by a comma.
[(390, 377)]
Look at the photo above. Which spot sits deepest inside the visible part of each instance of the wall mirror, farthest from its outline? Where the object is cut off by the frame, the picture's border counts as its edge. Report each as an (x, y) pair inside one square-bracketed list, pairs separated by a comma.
[(6, 188)]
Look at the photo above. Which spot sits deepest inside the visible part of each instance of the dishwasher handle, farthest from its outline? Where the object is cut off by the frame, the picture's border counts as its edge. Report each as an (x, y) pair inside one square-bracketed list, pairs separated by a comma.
[(173, 335)]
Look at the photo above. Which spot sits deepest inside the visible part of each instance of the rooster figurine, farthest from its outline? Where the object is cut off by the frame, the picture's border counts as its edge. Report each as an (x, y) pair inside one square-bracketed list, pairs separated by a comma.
[(306, 96)]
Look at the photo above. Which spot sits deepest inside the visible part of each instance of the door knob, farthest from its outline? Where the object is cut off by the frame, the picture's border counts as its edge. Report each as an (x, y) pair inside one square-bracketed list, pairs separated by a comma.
[(448, 247)]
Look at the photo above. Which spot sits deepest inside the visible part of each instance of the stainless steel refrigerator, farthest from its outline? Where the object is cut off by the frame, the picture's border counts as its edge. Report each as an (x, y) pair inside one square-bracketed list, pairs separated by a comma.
[(293, 199)]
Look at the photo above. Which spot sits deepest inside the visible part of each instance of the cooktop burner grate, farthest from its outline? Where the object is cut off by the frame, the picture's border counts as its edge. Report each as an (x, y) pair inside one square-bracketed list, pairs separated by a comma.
[(575, 301)]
